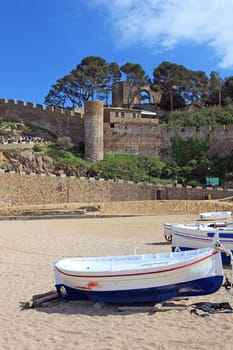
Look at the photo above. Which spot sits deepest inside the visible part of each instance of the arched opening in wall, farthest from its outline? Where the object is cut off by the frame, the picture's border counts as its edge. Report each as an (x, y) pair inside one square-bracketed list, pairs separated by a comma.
[(144, 96)]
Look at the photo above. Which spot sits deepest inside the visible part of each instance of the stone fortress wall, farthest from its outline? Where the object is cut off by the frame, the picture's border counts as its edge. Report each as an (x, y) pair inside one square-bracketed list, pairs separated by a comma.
[(60, 122), (22, 189), (100, 131), (149, 138), (104, 130)]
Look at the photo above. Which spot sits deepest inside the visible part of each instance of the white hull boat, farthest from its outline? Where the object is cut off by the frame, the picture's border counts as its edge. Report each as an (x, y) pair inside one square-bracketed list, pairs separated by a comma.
[(187, 237), (215, 215), (140, 278), (168, 227)]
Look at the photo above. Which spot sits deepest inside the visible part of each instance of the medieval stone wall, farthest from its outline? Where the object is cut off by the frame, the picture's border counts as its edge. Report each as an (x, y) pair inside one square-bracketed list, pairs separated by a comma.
[(126, 136), (60, 122), (220, 138), (22, 189), (122, 138)]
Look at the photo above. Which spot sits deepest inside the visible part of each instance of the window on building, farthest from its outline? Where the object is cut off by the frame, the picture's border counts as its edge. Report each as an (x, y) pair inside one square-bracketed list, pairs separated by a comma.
[(116, 114), (122, 114), (134, 115), (144, 96)]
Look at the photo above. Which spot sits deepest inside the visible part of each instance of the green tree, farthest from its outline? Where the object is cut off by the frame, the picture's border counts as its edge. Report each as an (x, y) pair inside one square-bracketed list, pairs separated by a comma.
[(227, 90), (196, 87), (68, 91), (113, 76), (170, 79), (136, 78), (92, 73), (185, 150), (215, 88), (177, 101), (91, 78), (56, 97), (171, 170)]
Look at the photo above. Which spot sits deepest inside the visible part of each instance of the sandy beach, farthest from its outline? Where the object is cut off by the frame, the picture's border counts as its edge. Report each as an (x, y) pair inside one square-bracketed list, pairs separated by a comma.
[(28, 250)]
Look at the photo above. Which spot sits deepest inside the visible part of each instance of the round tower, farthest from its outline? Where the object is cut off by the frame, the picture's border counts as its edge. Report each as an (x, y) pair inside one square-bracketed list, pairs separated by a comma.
[(93, 130)]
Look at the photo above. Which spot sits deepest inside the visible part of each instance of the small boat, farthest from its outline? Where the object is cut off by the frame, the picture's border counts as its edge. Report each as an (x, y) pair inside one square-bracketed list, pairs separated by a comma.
[(168, 227), (140, 278), (215, 215), (195, 237)]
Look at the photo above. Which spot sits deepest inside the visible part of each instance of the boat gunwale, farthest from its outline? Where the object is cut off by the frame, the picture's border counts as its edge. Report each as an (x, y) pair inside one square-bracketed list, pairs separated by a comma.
[(198, 259)]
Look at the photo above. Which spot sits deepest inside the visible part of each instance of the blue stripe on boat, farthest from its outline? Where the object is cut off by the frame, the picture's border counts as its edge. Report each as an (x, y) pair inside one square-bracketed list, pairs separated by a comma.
[(221, 235), (157, 294)]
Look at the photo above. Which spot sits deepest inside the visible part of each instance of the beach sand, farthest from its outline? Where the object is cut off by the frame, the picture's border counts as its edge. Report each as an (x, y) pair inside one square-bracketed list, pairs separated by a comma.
[(28, 250)]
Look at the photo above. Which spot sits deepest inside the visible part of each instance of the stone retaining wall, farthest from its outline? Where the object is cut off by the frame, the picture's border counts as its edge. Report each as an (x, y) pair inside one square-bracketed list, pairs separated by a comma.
[(168, 207), (21, 189)]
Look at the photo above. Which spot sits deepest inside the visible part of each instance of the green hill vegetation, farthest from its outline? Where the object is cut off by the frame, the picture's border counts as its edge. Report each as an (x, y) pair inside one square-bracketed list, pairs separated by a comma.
[(189, 165), (127, 167), (199, 116)]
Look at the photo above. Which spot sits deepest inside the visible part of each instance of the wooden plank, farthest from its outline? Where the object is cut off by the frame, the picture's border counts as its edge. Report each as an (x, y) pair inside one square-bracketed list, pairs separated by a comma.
[(153, 308)]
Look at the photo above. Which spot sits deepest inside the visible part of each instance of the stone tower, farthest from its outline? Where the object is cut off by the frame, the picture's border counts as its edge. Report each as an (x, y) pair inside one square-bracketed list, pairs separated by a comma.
[(93, 130)]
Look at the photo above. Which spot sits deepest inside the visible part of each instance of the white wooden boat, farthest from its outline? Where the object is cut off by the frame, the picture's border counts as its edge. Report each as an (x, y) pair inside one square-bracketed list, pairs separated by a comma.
[(168, 227), (140, 278), (215, 215), (195, 237)]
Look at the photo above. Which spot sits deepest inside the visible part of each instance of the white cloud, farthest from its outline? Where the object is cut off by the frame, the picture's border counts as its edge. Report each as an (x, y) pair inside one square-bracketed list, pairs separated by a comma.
[(167, 23)]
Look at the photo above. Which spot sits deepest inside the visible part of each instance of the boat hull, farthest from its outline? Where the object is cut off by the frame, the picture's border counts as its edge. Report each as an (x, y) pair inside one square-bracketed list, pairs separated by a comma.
[(198, 287), (169, 227), (190, 238), (146, 278), (216, 215)]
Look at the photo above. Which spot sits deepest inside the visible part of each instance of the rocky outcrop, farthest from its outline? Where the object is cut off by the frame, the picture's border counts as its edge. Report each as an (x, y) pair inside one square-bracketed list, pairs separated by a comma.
[(26, 161)]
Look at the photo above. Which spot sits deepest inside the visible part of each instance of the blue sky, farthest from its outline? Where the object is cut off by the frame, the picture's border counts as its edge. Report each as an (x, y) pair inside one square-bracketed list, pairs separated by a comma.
[(44, 40)]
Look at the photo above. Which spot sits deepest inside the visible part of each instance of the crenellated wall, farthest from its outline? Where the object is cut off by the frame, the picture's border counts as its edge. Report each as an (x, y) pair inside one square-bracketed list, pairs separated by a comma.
[(130, 134), (21, 189), (61, 122), (155, 140), (220, 138)]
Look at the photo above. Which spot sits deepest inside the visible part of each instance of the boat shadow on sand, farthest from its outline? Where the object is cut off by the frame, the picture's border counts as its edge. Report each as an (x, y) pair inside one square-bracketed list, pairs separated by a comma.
[(51, 303), (89, 308), (158, 244)]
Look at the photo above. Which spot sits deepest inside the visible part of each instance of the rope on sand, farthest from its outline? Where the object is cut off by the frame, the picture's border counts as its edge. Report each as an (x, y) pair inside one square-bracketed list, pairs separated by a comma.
[(204, 309)]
